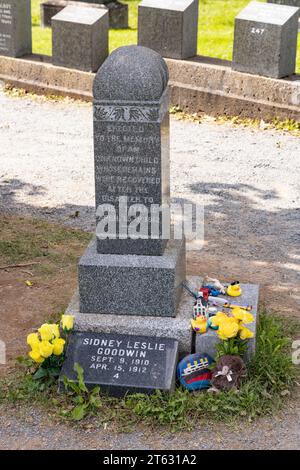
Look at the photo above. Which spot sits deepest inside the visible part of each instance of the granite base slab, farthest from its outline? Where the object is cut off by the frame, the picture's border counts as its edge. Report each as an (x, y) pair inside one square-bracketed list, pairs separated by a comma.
[(132, 284), (206, 343), (162, 327)]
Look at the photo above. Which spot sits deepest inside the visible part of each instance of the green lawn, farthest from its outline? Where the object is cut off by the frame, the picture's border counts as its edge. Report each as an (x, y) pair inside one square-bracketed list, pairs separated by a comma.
[(215, 38)]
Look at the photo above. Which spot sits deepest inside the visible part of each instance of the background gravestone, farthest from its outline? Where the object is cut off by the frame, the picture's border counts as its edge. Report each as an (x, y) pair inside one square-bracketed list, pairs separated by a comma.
[(124, 275), (265, 40), (118, 12), (80, 38), (293, 3), (122, 363), (169, 27), (15, 28)]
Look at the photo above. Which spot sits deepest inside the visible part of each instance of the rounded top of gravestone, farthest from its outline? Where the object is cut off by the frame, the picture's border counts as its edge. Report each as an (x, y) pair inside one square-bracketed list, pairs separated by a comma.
[(131, 73)]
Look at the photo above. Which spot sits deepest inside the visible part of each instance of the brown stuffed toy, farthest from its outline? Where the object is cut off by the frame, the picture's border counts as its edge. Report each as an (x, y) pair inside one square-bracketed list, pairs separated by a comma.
[(228, 373)]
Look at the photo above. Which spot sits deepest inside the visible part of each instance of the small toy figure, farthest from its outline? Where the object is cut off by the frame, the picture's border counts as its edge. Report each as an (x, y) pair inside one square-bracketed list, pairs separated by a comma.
[(200, 308), (234, 289), (193, 371), (215, 283), (228, 373)]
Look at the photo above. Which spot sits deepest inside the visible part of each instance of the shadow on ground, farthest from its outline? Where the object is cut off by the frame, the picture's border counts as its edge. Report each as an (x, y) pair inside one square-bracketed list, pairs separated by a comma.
[(243, 240)]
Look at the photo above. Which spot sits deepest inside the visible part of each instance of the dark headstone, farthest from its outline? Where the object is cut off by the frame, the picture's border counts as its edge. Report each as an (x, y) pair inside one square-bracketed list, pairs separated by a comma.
[(15, 28), (80, 38), (265, 40), (122, 364), (292, 3), (118, 12), (131, 142), (169, 27), (123, 272)]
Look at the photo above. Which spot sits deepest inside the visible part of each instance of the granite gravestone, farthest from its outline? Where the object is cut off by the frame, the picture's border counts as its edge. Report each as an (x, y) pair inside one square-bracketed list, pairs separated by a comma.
[(170, 27), (265, 40), (15, 28), (292, 3), (120, 273), (118, 12), (122, 364), (80, 38)]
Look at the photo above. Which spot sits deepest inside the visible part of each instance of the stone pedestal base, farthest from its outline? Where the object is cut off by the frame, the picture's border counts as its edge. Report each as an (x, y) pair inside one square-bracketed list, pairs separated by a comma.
[(161, 327), (165, 327), (131, 284)]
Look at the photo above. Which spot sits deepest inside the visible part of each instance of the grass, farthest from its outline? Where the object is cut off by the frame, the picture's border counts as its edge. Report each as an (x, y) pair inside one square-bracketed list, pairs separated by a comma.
[(268, 387), (287, 125), (215, 38), (266, 391), (24, 239)]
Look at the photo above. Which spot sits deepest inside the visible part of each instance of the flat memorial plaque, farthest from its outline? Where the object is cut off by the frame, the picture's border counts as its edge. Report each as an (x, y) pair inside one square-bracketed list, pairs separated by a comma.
[(122, 364)]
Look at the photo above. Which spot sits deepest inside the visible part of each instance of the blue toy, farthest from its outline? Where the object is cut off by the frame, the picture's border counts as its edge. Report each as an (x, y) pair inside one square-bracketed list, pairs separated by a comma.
[(193, 372)]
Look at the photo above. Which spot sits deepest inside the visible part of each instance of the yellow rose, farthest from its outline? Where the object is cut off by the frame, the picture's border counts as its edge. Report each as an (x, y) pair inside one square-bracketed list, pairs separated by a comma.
[(245, 333), (35, 355), (46, 332), (55, 330), (218, 318), (67, 322), (228, 329), (46, 349), (58, 346), (33, 340), (242, 315)]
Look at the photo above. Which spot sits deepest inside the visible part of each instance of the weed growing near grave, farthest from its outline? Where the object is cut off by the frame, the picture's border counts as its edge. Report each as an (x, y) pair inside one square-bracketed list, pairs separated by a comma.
[(288, 125), (266, 390)]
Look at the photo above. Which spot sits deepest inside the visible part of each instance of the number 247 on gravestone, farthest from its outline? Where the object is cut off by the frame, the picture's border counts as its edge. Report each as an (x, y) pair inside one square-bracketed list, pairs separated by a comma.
[(257, 31)]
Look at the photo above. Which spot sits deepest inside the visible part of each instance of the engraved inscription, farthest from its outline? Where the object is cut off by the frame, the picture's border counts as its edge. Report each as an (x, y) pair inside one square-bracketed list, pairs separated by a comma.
[(127, 163), (125, 113), (6, 20)]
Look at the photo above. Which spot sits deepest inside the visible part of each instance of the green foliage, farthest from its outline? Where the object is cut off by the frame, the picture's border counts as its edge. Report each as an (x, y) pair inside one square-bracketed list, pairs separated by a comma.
[(85, 402), (271, 376), (48, 372), (215, 31), (232, 347)]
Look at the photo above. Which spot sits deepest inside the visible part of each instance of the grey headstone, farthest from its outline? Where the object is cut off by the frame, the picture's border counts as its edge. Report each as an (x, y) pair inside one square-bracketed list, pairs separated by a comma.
[(15, 28), (118, 12), (80, 37), (169, 27), (265, 40), (132, 285), (292, 3), (122, 364), (207, 342), (131, 144)]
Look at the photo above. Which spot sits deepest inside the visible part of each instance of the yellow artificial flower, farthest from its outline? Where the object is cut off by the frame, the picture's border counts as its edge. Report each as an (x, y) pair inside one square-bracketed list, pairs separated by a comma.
[(58, 346), (46, 349), (46, 332), (245, 333), (55, 330), (242, 315), (33, 340), (218, 318), (35, 355), (67, 322), (228, 329)]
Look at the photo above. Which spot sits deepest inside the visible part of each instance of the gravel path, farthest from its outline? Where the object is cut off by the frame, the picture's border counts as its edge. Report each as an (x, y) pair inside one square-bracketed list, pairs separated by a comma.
[(249, 181)]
